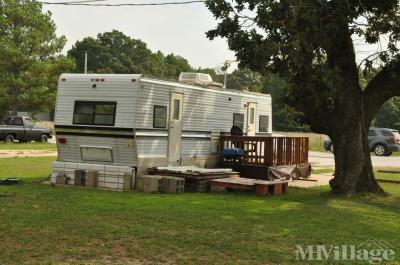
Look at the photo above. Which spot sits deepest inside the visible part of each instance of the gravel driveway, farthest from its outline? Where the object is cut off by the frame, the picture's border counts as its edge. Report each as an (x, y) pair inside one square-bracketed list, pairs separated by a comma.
[(26, 153), (326, 159)]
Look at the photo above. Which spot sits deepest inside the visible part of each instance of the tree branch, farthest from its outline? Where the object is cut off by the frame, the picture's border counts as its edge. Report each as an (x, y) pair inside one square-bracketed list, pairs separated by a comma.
[(384, 86), (369, 56)]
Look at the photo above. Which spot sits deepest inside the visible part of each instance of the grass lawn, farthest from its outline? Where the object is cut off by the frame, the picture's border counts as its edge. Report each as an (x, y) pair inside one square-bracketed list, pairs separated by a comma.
[(69, 225), (28, 146), (390, 176), (27, 168)]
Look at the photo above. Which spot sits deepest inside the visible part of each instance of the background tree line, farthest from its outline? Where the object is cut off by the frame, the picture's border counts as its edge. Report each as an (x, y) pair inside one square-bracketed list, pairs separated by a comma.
[(31, 61)]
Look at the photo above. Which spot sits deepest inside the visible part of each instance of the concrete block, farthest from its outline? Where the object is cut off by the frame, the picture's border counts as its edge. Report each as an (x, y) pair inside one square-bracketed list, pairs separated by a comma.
[(92, 178), (148, 183), (261, 189), (61, 179), (172, 184), (128, 180), (79, 177)]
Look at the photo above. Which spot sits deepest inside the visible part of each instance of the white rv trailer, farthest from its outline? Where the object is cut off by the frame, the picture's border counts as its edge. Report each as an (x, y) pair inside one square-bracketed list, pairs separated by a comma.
[(117, 124)]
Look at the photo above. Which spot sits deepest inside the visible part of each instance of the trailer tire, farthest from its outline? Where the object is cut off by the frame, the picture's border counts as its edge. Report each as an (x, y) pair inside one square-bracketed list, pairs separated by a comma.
[(44, 138), (10, 138)]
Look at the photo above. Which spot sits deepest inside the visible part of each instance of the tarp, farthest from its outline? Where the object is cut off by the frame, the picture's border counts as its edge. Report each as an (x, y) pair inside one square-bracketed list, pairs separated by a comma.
[(282, 172), (289, 172)]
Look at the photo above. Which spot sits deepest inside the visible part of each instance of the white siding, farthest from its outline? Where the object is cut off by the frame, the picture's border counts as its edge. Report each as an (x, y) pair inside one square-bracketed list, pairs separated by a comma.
[(152, 146), (118, 88), (195, 147), (124, 150), (150, 95), (204, 109), (264, 107)]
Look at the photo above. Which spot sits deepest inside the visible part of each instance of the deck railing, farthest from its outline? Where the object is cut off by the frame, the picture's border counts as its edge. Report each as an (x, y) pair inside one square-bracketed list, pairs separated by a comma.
[(268, 151)]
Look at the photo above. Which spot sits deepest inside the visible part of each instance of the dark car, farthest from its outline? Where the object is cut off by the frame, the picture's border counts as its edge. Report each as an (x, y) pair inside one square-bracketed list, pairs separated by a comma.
[(381, 141), (22, 129)]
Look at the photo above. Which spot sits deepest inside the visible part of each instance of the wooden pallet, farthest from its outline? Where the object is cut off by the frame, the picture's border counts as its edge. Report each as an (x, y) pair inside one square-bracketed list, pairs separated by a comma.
[(260, 187), (196, 181)]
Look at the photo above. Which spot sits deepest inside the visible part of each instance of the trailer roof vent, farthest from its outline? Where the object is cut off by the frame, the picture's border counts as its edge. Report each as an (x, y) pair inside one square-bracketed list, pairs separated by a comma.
[(199, 79)]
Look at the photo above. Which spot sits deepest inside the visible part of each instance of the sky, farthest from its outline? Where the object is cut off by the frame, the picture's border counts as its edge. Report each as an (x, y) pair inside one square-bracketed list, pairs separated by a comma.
[(178, 29), (170, 29)]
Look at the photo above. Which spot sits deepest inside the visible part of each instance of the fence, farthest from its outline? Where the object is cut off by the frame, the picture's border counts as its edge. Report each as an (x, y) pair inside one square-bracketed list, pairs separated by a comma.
[(267, 151)]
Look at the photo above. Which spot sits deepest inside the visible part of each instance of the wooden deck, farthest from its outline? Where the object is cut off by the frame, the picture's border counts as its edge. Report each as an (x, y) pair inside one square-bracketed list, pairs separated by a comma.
[(267, 151), (262, 152)]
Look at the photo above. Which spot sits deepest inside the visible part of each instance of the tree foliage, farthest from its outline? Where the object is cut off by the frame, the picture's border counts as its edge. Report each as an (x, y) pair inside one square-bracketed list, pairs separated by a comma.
[(114, 52), (29, 57), (299, 40), (389, 114), (310, 45)]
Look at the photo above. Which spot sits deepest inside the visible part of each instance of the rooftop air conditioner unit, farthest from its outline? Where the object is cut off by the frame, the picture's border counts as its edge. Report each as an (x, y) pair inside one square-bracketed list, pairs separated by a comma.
[(200, 79)]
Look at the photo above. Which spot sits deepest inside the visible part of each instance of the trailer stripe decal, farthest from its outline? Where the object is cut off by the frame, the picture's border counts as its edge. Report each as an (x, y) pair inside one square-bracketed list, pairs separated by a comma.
[(97, 134), (97, 128)]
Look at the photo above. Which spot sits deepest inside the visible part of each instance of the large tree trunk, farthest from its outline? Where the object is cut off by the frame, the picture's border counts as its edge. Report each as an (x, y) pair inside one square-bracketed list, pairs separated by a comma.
[(353, 165), (349, 121)]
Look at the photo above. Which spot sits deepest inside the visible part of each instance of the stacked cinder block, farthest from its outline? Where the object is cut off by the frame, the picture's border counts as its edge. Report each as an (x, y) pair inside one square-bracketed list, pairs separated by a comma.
[(155, 183), (94, 175), (148, 183), (92, 178), (61, 179), (79, 177), (172, 184)]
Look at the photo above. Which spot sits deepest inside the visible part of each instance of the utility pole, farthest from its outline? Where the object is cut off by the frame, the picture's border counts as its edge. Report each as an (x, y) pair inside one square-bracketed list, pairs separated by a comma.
[(225, 67), (85, 71)]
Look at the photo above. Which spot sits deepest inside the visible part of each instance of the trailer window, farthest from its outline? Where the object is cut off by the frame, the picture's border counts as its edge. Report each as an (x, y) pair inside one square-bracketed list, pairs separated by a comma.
[(252, 112), (94, 113), (264, 123), (176, 109), (160, 117), (238, 120)]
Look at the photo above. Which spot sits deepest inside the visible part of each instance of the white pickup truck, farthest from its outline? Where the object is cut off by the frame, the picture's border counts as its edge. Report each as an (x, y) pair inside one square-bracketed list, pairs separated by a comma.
[(23, 129)]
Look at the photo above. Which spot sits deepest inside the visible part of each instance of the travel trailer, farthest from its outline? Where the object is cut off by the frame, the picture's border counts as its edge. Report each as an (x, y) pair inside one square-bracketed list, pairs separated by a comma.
[(118, 124)]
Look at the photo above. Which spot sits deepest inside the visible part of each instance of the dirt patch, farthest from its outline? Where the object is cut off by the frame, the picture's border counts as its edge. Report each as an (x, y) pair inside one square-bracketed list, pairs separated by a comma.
[(315, 180), (26, 153)]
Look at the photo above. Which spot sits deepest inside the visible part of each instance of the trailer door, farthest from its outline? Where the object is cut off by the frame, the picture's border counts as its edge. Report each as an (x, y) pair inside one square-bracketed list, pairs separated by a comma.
[(175, 128), (251, 118)]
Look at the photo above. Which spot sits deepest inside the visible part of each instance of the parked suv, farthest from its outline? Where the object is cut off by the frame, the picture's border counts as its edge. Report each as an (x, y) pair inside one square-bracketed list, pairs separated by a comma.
[(22, 129), (381, 141)]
